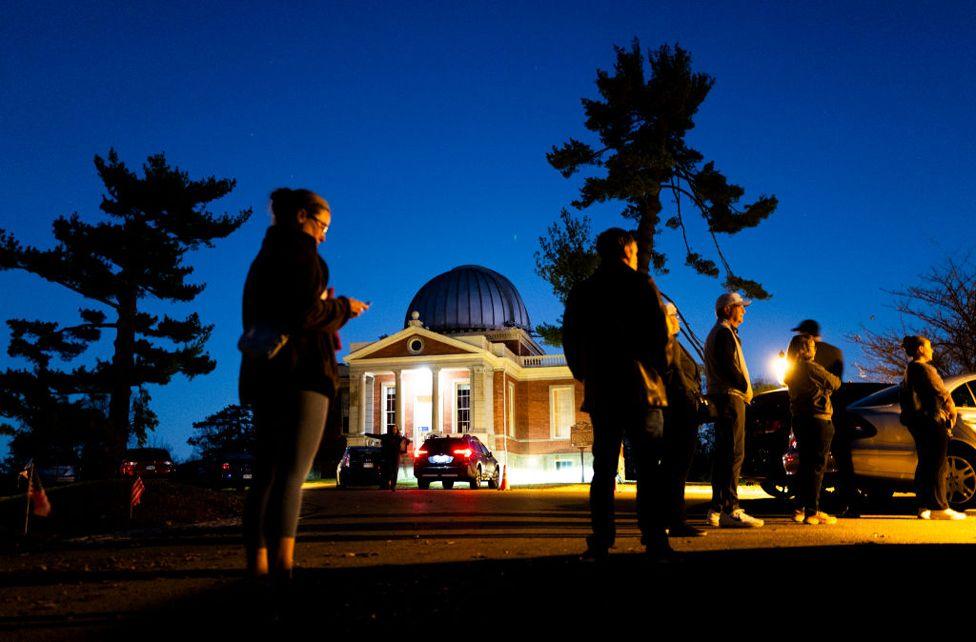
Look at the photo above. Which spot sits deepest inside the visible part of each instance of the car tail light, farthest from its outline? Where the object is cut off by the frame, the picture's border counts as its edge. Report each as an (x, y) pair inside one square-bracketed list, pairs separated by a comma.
[(225, 467), (464, 452), (792, 443), (420, 453)]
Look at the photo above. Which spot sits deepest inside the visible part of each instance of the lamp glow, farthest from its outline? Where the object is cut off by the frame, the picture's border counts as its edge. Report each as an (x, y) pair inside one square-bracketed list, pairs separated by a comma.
[(780, 365)]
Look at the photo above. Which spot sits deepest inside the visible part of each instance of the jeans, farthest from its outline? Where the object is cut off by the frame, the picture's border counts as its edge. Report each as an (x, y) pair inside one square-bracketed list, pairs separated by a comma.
[(681, 440), (932, 444), (813, 437), (645, 430), (289, 430), (730, 451)]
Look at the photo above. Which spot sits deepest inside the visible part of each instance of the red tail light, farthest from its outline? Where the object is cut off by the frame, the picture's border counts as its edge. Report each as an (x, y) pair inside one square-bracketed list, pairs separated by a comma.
[(225, 467), (464, 452), (420, 453)]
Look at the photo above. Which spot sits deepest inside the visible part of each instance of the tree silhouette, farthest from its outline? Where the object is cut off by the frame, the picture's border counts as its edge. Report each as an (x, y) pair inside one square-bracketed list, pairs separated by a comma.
[(229, 429), (135, 254), (641, 123)]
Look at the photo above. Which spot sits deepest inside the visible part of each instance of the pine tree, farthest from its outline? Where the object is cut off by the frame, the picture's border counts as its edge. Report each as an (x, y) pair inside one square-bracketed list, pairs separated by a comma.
[(641, 123), (231, 429), (135, 254)]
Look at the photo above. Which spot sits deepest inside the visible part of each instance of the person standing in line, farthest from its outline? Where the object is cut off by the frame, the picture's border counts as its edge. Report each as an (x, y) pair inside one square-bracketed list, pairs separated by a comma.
[(616, 343), (810, 387), (730, 390), (286, 296), (680, 427), (929, 413), (393, 445), (832, 359)]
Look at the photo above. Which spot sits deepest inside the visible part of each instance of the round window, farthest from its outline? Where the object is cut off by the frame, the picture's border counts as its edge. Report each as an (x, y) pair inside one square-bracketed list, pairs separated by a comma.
[(415, 346)]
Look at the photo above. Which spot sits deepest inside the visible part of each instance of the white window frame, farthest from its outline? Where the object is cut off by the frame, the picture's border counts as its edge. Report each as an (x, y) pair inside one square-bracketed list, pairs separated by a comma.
[(570, 464), (384, 390), (456, 424), (553, 411)]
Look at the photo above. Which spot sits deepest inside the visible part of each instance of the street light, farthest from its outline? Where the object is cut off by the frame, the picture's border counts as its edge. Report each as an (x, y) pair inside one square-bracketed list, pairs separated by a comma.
[(780, 366)]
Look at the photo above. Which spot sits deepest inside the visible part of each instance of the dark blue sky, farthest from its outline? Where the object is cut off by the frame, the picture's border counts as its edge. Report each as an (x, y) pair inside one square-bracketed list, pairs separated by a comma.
[(426, 126)]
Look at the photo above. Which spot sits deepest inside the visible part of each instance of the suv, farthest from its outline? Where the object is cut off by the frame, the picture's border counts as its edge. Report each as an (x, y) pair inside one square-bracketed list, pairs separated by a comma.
[(456, 458)]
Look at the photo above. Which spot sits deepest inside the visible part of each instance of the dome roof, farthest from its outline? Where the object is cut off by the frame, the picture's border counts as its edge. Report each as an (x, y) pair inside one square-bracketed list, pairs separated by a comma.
[(469, 298)]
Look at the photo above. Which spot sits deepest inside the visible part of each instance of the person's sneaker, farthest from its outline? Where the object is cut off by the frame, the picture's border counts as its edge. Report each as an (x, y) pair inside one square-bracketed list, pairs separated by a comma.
[(740, 519), (820, 518), (684, 529), (714, 518), (799, 515), (924, 513), (948, 513)]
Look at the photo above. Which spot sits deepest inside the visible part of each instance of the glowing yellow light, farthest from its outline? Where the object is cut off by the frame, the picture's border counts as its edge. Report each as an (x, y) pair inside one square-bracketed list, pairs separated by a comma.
[(780, 365)]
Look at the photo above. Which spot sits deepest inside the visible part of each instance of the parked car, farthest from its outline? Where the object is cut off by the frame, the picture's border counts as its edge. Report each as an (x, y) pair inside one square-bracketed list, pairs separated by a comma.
[(58, 474), (884, 452), (360, 466), (232, 468), (768, 433), (147, 462), (455, 458)]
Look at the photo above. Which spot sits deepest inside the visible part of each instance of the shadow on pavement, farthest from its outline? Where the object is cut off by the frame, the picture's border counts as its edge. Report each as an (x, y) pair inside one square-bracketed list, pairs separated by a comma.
[(563, 595)]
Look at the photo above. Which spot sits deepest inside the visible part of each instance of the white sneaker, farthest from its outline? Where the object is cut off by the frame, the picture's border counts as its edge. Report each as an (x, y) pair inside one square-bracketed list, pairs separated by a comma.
[(924, 513), (740, 519), (714, 518), (947, 514), (799, 515)]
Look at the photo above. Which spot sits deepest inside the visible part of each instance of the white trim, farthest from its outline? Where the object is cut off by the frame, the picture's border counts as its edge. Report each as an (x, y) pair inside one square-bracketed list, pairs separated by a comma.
[(405, 333), (553, 389), (510, 424), (455, 428), (384, 387)]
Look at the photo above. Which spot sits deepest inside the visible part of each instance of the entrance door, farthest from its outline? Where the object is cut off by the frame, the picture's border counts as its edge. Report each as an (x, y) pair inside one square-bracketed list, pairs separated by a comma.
[(422, 419)]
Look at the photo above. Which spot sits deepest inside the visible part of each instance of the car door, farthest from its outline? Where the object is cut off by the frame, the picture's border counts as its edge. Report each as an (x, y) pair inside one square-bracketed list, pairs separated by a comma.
[(965, 402), (888, 453)]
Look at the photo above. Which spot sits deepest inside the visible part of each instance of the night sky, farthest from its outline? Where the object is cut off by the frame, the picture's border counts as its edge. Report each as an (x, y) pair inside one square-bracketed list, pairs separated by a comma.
[(426, 126)]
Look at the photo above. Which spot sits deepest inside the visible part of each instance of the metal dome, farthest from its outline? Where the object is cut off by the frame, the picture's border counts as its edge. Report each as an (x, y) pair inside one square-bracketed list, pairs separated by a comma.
[(469, 298)]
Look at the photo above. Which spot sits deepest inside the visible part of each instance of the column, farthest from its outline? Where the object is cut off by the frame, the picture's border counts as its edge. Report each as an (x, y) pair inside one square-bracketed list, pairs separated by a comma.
[(400, 401), (357, 414), (435, 401)]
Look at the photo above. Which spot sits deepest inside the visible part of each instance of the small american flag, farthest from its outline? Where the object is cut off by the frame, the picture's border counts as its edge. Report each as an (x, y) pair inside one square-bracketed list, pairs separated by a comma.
[(136, 495)]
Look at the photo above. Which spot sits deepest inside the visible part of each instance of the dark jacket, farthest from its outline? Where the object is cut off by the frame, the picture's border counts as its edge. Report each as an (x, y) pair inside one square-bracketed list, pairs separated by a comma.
[(831, 358), (725, 364), (615, 339), (810, 388), (683, 384), (283, 292), (924, 396)]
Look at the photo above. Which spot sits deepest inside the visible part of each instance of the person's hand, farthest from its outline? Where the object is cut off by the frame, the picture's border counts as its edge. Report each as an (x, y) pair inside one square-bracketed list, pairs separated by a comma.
[(357, 307)]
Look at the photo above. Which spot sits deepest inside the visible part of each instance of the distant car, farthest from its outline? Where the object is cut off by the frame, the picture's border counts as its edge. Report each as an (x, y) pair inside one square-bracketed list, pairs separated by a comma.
[(884, 452), (768, 434), (360, 466), (232, 468), (58, 474), (449, 459), (147, 462)]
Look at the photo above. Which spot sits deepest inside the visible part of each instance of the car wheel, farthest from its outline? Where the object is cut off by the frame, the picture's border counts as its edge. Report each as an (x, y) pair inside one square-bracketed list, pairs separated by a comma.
[(961, 481), (777, 489), (423, 484), (448, 484), (476, 480), (493, 482)]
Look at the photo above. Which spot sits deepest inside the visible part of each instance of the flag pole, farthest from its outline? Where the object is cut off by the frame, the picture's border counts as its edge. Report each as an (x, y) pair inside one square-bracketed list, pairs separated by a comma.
[(30, 481)]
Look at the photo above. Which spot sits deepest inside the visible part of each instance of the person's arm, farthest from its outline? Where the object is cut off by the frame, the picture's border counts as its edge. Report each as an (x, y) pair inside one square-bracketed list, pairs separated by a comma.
[(823, 377), (933, 382)]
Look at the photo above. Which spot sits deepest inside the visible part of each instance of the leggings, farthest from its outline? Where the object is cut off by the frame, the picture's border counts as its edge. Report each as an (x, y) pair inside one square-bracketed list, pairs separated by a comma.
[(289, 429)]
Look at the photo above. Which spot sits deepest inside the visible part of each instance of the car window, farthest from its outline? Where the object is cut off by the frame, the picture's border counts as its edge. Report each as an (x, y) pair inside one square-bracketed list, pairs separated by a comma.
[(886, 397), (962, 396)]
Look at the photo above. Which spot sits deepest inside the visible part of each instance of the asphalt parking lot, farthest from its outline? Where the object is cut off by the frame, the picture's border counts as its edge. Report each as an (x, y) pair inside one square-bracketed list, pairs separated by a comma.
[(381, 559)]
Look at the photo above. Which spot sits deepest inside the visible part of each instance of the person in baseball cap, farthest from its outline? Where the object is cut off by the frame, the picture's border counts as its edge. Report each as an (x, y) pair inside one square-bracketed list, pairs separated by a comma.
[(731, 299)]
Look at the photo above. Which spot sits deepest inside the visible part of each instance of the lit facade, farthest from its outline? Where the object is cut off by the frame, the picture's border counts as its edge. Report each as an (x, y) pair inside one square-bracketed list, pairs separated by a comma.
[(471, 368)]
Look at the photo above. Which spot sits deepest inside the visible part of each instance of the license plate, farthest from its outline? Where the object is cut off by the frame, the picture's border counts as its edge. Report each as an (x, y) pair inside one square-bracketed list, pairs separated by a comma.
[(441, 459), (247, 476), (368, 464), (150, 468)]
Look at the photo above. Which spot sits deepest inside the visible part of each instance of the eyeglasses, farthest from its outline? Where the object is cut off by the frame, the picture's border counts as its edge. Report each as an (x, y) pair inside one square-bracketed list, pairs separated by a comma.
[(320, 223)]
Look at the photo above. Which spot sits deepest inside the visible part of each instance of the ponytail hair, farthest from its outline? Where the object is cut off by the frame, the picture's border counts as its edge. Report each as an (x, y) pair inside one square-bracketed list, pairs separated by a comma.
[(286, 203), (800, 347)]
